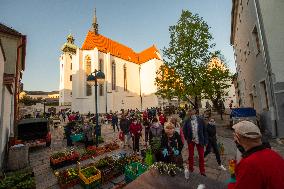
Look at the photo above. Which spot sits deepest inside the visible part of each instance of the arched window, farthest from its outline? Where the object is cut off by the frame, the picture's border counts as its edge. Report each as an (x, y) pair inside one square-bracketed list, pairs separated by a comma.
[(88, 72), (113, 76), (101, 90), (124, 77)]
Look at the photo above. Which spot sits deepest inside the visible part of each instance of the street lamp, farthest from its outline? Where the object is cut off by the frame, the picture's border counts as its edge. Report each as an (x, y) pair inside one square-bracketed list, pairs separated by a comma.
[(93, 79)]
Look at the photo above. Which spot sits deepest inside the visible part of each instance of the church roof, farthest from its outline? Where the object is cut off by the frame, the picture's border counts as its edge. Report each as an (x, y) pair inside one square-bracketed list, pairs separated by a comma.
[(106, 45)]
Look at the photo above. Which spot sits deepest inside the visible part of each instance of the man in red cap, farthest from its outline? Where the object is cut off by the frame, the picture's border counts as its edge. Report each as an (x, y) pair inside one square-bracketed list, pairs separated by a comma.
[(260, 167)]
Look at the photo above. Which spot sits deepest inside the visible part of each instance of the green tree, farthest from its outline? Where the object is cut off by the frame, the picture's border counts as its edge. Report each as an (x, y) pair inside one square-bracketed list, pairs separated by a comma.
[(187, 55), (27, 101)]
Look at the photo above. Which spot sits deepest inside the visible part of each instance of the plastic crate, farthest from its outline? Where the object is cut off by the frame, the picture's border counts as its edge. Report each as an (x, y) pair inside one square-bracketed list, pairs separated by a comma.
[(90, 180), (77, 137), (92, 185), (134, 170)]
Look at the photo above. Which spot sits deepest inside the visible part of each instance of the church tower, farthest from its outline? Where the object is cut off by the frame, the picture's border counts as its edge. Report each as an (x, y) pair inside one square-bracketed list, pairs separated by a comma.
[(65, 84), (95, 26)]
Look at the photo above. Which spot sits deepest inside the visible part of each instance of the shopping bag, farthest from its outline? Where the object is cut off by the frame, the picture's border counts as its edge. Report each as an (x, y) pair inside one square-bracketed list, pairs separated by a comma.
[(121, 136)]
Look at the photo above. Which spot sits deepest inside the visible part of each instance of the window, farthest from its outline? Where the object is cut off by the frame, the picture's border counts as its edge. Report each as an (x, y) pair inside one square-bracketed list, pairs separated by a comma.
[(256, 40), (101, 90), (71, 65), (264, 97), (70, 77), (88, 72), (71, 93), (113, 76), (70, 57), (101, 65), (124, 77)]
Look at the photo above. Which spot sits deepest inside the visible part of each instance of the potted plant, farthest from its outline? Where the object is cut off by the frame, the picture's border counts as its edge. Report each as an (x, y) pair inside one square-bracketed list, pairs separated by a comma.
[(68, 178)]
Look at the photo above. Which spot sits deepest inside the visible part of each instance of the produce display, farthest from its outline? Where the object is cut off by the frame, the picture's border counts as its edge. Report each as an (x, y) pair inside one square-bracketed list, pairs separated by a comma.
[(134, 170), (166, 168), (155, 144), (90, 177), (19, 180), (67, 178), (61, 159)]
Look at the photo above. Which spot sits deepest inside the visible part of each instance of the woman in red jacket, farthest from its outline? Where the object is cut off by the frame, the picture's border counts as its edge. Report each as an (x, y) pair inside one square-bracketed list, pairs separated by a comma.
[(135, 130)]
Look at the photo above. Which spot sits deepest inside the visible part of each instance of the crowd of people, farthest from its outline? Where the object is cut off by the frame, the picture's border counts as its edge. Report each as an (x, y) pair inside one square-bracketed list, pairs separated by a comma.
[(168, 137)]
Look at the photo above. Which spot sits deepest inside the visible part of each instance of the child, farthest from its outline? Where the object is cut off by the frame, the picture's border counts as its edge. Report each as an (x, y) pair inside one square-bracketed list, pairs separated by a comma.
[(171, 145)]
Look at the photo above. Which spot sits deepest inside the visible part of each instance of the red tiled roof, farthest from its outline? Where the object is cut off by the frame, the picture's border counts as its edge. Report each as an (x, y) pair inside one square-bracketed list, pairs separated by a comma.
[(116, 49)]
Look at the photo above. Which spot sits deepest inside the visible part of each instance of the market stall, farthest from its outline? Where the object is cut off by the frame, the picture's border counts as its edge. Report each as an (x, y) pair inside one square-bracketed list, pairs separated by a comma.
[(153, 179)]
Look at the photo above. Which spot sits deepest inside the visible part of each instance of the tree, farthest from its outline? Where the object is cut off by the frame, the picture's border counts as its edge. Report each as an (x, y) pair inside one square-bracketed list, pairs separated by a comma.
[(217, 78), (186, 56)]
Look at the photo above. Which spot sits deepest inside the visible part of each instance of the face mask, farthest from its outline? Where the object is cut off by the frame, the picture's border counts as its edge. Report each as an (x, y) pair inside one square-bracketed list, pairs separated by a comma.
[(212, 122), (240, 147), (135, 122)]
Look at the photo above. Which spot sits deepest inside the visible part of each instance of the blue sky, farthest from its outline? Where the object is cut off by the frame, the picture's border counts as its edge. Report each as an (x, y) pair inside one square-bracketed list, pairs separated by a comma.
[(135, 23)]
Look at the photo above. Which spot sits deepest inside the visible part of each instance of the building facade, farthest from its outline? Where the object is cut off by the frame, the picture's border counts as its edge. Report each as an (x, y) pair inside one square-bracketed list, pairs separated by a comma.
[(129, 76), (12, 64), (256, 35)]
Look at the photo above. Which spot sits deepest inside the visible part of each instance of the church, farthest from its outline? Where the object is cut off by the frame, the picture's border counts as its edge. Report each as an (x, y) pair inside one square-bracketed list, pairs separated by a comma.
[(129, 76)]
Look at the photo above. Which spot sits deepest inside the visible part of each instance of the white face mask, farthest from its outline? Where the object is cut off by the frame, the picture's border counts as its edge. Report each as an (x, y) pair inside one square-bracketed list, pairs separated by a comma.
[(135, 122)]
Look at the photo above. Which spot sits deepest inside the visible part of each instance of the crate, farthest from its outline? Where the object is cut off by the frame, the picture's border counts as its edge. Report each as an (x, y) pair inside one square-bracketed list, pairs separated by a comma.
[(90, 180), (77, 137), (134, 170), (69, 184), (92, 185)]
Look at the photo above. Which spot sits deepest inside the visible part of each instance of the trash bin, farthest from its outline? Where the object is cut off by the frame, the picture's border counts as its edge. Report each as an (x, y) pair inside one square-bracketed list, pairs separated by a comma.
[(18, 157)]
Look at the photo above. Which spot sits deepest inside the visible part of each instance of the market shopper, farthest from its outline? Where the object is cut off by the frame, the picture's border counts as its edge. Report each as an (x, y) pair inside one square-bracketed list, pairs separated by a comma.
[(212, 142), (171, 145), (125, 129), (260, 167), (155, 135), (162, 119), (135, 130), (68, 131), (114, 122), (146, 124), (195, 134), (88, 133)]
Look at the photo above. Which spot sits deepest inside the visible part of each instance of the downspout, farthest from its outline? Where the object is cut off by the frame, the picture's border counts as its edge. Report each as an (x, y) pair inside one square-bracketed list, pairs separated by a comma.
[(268, 65)]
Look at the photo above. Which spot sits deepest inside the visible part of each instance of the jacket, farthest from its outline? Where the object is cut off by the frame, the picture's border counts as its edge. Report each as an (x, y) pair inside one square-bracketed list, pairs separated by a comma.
[(135, 129), (171, 143), (156, 130), (202, 133), (124, 125), (211, 131), (260, 168)]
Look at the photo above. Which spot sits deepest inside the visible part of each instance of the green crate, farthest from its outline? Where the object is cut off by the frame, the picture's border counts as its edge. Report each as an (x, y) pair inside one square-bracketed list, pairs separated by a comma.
[(134, 170)]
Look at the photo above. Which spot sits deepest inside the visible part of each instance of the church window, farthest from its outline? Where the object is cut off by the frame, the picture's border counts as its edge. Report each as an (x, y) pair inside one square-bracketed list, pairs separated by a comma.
[(88, 72), (125, 77), (70, 57), (101, 65), (113, 76), (70, 77), (101, 90), (71, 66)]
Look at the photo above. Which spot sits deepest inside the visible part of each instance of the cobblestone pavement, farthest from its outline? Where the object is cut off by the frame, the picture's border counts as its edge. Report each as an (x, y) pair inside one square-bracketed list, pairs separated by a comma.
[(45, 178)]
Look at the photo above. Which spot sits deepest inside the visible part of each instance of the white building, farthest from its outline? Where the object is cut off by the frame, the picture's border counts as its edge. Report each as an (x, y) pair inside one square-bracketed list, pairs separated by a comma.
[(12, 64), (129, 76), (257, 29)]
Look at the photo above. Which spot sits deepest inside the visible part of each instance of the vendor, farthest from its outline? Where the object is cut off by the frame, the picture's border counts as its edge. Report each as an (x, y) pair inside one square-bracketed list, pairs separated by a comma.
[(171, 145), (88, 133)]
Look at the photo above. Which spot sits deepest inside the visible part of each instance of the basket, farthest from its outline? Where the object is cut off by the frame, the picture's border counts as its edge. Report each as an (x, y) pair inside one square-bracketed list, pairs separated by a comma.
[(77, 137), (134, 170), (90, 180)]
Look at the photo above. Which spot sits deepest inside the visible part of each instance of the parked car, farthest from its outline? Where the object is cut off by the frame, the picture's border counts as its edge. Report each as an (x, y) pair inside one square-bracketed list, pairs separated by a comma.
[(34, 132)]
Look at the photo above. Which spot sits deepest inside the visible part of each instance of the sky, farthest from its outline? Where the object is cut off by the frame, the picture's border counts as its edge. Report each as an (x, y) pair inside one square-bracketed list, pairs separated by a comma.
[(137, 24)]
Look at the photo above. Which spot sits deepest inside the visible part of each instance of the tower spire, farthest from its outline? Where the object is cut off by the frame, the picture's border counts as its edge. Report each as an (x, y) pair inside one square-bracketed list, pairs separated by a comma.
[(95, 25)]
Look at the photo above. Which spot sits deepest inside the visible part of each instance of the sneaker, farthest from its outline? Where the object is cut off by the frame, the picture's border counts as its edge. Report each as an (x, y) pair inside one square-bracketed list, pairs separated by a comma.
[(222, 167)]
